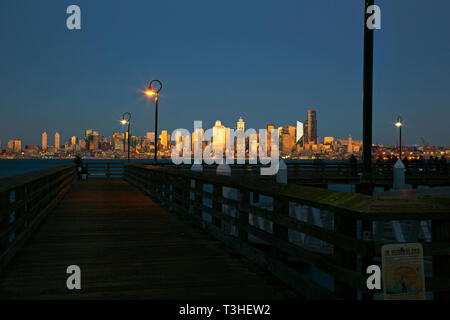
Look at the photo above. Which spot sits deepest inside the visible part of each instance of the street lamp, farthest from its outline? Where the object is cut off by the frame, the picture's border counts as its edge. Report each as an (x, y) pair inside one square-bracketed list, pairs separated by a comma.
[(124, 121), (367, 178), (399, 125), (153, 90)]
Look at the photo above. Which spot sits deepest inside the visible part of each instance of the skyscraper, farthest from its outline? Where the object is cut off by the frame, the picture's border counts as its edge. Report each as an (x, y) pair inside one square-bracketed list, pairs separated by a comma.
[(44, 141), (311, 127), (240, 139), (270, 128), (299, 133), (219, 136), (57, 144)]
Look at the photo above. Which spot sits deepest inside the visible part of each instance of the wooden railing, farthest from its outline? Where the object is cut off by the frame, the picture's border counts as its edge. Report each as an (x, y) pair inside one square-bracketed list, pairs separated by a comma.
[(98, 169), (233, 221), (25, 200)]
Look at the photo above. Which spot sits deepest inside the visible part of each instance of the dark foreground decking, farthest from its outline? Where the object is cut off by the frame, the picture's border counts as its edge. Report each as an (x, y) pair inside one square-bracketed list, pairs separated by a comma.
[(128, 248)]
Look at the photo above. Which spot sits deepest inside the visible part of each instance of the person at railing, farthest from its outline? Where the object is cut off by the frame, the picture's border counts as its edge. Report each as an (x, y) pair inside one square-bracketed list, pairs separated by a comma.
[(406, 163), (353, 162), (444, 165), (380, 164), (431, 164), (78, 163)]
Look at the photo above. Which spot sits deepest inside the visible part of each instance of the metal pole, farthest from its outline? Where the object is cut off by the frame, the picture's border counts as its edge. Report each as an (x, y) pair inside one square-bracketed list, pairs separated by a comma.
[(156, 129), (400, 142), (367, 179), (367, 186), (129, 141)]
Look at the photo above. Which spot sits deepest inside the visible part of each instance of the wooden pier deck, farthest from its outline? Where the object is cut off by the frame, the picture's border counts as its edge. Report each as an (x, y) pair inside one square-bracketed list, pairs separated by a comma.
[(128, 248)]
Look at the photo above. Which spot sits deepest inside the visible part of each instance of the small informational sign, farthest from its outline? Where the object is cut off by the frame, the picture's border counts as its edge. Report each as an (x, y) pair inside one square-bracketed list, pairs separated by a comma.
[(403, 272)]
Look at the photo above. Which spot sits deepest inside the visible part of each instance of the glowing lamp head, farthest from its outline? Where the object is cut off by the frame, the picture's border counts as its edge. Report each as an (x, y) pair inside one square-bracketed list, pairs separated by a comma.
[(398, 124), (150, 93), (123, 121)]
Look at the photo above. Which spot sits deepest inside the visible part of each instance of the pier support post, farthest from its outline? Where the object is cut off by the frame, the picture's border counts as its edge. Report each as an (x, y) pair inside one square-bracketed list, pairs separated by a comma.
[(225, 170), (441, 264), (345, 226), (244, 203)]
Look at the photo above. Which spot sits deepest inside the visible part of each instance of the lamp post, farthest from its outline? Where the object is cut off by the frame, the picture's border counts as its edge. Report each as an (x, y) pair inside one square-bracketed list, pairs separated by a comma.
[(153, 89), (399, 125), (366, 178), (125, 121)]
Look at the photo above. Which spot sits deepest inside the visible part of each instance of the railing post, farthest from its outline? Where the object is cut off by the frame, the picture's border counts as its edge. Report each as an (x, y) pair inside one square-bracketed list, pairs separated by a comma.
[(198, 198), (4, 218), (441, 264), (244, 206), (346, 226), (280, 207), (217, 191)]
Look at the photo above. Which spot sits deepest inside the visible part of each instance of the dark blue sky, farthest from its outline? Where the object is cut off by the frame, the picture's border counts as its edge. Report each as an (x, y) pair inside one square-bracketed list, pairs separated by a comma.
[(267, 61)]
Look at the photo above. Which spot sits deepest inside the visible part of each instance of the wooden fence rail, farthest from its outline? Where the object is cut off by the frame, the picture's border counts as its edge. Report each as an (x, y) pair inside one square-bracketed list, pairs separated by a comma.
[(25, 200), (98, 169), (186, 194)]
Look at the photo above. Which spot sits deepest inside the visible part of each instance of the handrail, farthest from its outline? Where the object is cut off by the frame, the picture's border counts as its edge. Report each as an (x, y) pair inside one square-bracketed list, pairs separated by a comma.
[(183, 192), (24, 202)]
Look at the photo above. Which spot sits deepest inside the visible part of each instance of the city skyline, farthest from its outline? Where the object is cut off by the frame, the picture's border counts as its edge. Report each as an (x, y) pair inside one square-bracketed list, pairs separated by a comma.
[(309, 55)]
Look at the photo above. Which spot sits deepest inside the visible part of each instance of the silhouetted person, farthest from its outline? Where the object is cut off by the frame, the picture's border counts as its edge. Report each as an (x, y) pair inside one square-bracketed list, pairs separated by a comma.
[(444, 165), (353, 162), (406, 163), (431, 163)]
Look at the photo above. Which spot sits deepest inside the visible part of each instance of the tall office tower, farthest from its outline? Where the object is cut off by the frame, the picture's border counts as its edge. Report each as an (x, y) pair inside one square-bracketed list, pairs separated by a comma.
[(270, 128), (350, 145), (95, 140), (57, 144), (240, 139), (73, 140), (299, 133), (164, 138), (17, 145), (88, 134), (44, 141), (240, 124), (219, 136), (287, 139), (150, 136), (311, 127)]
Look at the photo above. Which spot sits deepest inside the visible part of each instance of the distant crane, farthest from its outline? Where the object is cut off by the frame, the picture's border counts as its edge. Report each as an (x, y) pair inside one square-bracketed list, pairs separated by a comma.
[(427, 147)]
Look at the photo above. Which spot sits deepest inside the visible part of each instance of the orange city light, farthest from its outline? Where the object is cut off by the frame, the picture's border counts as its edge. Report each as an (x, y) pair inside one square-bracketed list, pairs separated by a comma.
[(123, 121)]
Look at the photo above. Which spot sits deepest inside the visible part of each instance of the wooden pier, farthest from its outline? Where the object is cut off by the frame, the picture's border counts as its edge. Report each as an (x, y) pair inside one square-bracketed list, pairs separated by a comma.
[(146, 237)]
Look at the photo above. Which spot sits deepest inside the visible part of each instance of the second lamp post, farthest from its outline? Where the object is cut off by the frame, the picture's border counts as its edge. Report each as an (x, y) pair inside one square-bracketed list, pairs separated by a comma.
[(399, 125), (125, 121), (153, 89)]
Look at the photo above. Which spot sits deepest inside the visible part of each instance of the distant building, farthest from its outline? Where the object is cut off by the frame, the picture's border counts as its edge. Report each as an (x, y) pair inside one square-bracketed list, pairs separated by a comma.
[(299, 133), (15, 145), (44, 141), (328, 140), (219, 136), (240, 124), (311, 127), (57, 143)]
